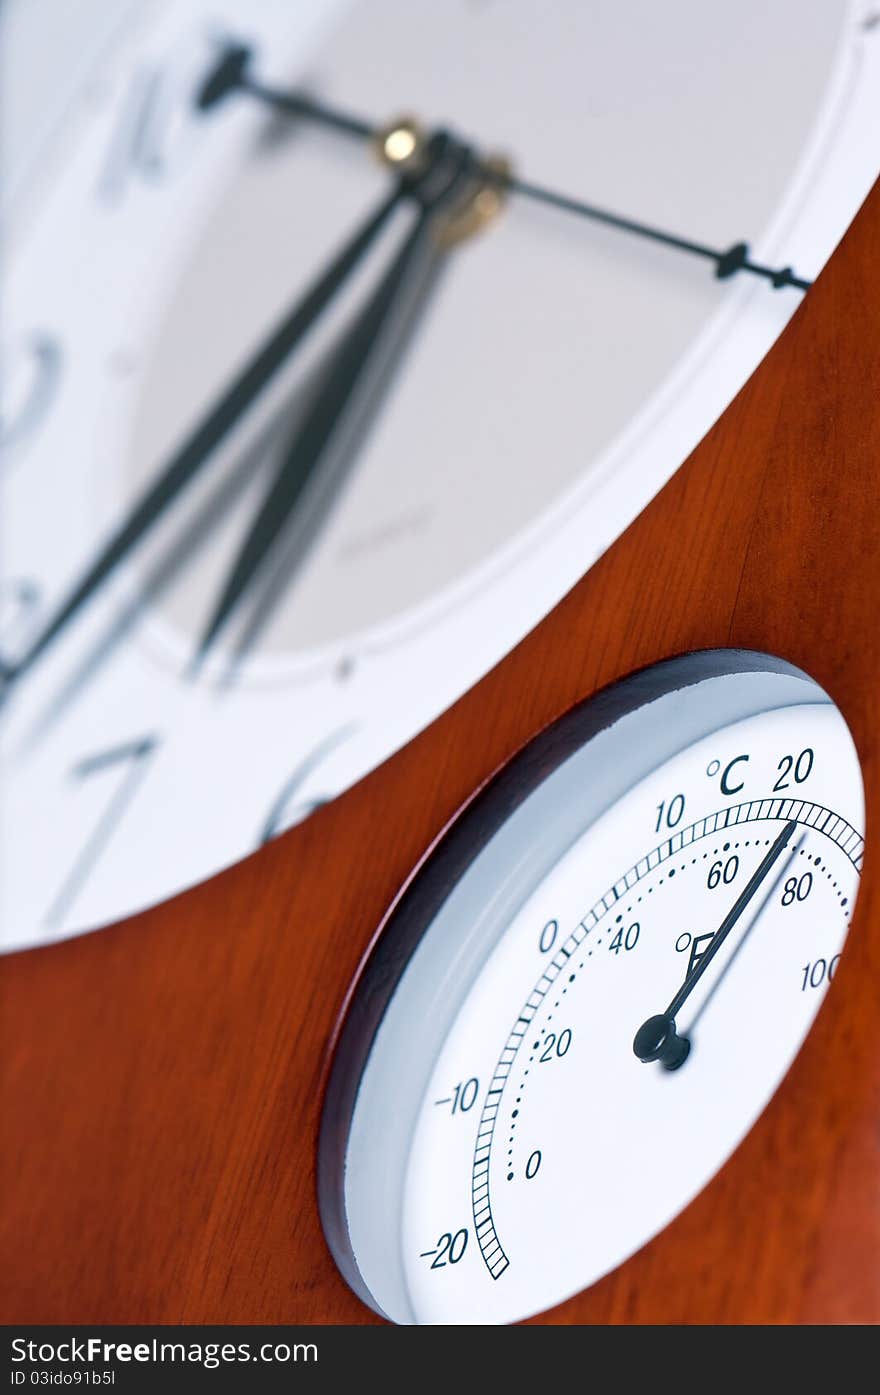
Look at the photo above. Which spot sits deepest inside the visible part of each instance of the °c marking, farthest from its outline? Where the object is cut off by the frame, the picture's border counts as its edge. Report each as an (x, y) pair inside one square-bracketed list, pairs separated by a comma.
[(726, 786)]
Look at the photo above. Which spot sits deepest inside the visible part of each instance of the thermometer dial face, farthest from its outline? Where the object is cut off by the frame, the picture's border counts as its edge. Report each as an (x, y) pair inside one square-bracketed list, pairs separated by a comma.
[(702, 851)]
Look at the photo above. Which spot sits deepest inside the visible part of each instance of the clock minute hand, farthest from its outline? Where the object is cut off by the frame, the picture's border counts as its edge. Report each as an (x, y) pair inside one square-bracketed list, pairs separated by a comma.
[(657, 1038), (449, 175), (214, 427)]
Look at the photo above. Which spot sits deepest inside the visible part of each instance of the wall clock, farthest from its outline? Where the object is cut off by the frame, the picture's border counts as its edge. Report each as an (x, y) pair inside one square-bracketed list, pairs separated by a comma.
[(328, 451), (182, 1090)]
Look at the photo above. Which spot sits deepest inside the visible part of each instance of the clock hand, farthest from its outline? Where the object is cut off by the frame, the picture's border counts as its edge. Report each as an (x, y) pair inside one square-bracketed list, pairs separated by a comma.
[(272, 585), (219, 421), (231, 74), (657, 1038), (451, 166)]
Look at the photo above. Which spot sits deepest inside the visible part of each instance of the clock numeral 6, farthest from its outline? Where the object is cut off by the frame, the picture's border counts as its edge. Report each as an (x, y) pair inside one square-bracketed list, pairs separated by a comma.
[(289, 807)]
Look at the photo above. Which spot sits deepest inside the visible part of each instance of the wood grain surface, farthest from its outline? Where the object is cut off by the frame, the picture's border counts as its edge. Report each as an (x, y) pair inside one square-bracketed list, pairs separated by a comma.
[(161, 1081)]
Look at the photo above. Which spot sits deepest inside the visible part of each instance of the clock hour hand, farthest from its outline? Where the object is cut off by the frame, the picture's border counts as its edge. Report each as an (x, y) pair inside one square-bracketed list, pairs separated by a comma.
[(189, 459), (446, 198)]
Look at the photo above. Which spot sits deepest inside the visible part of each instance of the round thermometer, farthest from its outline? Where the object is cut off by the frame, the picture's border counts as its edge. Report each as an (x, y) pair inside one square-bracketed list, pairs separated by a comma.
[(590, 990)]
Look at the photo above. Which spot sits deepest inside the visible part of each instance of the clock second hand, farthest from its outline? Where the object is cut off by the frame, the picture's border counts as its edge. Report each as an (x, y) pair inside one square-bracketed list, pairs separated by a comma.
[(231, 74), (657, 1039)]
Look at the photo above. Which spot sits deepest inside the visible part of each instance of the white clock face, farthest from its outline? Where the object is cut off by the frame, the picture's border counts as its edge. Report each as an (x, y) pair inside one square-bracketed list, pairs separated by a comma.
[(604, 1005), (527, 392)]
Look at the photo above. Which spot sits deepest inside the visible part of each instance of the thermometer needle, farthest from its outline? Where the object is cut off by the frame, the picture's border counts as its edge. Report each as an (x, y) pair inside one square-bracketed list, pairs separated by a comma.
[(657, 1038)]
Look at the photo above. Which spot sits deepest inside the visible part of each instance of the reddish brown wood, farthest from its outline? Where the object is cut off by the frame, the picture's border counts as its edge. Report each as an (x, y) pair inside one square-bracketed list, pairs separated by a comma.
[(161, 1080)]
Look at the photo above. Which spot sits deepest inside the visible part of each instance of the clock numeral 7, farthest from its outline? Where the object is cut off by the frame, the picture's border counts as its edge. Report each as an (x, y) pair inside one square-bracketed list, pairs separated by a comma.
[(133, 757)]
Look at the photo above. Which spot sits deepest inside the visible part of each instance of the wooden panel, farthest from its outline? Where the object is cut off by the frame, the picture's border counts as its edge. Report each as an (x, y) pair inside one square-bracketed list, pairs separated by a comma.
[(161, 1080)]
